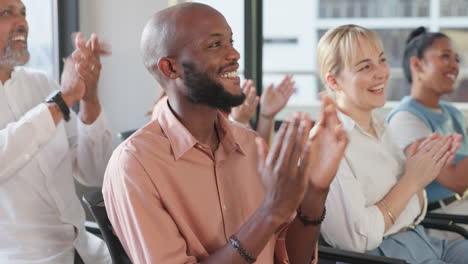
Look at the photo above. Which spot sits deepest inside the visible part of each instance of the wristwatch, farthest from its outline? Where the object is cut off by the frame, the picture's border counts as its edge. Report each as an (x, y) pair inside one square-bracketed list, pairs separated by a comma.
[(56, 97)]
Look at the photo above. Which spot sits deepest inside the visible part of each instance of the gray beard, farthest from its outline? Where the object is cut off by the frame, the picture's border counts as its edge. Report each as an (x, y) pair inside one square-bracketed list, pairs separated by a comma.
[(12, 58)]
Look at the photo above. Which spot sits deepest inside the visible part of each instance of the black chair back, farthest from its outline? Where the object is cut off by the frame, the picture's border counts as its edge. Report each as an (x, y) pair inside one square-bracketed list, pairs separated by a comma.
[(124, 135), (95, 203)]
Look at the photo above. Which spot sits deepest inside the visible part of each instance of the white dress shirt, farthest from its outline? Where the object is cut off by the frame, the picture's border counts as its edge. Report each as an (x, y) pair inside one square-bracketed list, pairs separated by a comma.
[(41, 218), (370, 168)]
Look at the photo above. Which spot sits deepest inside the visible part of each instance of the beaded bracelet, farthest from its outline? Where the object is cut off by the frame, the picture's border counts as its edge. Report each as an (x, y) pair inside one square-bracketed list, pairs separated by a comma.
[(242, 252), (313, 222)]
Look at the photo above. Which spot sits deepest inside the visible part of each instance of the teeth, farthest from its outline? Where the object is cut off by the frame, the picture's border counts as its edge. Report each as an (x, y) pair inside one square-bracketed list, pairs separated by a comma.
[(380, 87), (20, 38), (229, 74), (451, 76)]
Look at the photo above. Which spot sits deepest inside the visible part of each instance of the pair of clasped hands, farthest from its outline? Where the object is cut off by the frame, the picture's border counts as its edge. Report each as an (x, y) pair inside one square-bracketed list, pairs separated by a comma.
[(82, 69), (426, 158)]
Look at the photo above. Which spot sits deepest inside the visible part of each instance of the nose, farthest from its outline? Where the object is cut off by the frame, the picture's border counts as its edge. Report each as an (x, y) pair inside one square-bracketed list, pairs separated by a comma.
[(382, 72), (233, 54), (454, 64), (21, 23)]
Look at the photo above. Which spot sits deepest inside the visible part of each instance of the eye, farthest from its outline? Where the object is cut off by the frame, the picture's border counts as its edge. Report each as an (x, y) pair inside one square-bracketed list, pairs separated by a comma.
[(231, 41), (215, 44), (365, 67), (383, 59), (5, 12)]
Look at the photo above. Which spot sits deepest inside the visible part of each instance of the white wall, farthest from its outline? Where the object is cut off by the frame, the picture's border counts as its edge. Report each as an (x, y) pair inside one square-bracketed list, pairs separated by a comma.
[(127, 90)]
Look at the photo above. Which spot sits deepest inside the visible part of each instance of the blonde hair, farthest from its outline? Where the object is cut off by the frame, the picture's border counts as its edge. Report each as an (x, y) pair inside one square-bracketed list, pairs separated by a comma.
[(339, 46)]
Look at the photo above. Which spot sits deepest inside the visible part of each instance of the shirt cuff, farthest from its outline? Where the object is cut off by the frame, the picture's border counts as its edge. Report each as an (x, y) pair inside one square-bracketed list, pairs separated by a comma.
[(424, 210), (95, 129)]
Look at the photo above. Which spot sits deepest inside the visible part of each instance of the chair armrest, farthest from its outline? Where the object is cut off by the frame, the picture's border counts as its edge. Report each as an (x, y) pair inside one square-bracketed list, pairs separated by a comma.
[(456, 218), (444, 225), (93, 228), (330, 253)]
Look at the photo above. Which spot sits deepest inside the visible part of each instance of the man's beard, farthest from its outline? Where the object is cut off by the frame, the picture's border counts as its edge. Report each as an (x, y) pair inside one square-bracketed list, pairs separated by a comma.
[(12, 57), (202, 89)]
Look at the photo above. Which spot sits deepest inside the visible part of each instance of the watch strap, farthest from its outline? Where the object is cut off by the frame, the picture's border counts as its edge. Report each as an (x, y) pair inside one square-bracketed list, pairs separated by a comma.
[(57, 98)]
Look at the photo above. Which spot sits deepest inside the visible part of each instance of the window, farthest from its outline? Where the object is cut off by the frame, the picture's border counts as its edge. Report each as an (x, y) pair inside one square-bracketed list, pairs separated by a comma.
[(293, 28), (42, 39), (391, 20)]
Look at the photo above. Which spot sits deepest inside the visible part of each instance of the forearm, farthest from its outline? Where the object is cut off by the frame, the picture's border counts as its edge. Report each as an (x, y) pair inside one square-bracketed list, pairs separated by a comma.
[(265, 127), (301, 240), (89, 110), (396, 200), (253, 237), (455, 176)]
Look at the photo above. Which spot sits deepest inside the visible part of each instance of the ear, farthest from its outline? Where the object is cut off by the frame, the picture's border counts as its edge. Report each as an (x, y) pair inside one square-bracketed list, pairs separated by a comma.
[(415, 64), (168, 67), (332, 82)]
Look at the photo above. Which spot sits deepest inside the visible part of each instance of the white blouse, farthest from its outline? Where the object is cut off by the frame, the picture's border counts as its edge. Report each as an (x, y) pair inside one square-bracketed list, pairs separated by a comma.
[(370, 168)]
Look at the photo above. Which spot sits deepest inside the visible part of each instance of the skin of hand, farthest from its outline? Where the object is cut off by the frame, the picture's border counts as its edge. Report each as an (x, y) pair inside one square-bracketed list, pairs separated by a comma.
[(87, 62), (274, 99), (285, 182), (425, 159), (327, 142), (244, 112), (72, 86)]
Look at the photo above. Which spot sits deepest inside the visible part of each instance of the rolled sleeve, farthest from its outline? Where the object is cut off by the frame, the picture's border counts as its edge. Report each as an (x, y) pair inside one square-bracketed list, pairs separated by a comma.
[(96, 129), (93, 148), (350, 224)]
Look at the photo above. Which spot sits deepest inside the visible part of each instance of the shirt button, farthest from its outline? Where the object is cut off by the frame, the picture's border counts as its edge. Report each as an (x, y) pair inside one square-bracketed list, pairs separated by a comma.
[(27, 157), (224, 207)]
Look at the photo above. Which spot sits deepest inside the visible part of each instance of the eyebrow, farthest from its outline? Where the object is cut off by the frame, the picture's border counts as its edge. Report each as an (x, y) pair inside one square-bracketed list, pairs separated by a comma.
[(366, 60), (216, 35), (21, 7)]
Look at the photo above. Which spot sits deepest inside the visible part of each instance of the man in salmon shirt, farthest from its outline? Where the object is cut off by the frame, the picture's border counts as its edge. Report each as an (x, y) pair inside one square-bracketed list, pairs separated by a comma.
[(192, 187)]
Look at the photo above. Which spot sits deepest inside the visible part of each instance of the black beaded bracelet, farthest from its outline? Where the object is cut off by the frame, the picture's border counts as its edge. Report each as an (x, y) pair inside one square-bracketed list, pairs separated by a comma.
[(313, 222), (242, 252)]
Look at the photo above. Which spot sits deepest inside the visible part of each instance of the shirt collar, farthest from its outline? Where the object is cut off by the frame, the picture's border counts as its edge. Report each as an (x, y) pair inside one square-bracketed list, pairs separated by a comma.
[(180, 138), (349, 124)]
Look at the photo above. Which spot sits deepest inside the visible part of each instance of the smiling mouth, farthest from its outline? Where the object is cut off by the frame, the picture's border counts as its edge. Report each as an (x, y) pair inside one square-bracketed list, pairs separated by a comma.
[(230, 75), (377, 89), (451, 76), (19, 39)]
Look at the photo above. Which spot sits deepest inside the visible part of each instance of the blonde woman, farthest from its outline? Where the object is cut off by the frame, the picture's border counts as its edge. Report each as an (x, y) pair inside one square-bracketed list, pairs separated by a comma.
[(377, 198)]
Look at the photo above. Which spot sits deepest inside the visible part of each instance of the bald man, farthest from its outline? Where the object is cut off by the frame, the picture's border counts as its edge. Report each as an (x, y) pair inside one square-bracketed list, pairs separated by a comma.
[(192, 187)]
